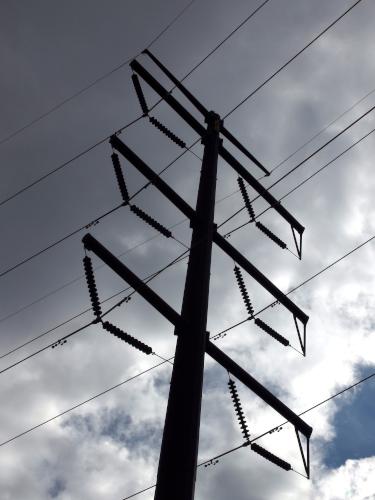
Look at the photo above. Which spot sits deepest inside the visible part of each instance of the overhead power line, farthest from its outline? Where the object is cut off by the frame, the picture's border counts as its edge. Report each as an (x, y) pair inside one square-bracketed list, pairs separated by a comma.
[(83, 403), (322, 130), (93, 83), (305, 160), (252, 14), (300, 184), (101, 141), (124, 127), (293, 58)]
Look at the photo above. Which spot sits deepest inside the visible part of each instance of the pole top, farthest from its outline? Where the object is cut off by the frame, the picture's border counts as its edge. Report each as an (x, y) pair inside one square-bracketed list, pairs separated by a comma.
[(214, 120)]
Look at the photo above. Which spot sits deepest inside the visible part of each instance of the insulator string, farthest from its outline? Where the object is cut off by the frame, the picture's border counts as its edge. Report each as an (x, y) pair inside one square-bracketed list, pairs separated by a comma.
[(151, 221), (140, 94), (273, 333), (126, 337), (90, 279), (238, 410), (246, 199), (270, 234), (270, 456), (120, 177), (173, 137), (244, 293)]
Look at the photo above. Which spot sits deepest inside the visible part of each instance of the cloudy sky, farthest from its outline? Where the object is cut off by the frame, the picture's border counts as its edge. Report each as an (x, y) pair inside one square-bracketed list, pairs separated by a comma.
[(108, 448)]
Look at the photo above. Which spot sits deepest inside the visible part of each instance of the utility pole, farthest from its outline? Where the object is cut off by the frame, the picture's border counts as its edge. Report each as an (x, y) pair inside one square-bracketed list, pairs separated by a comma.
[(179, 450)]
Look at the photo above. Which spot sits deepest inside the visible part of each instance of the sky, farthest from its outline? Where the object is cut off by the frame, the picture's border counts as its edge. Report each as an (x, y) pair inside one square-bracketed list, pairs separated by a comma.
[(108, 448)]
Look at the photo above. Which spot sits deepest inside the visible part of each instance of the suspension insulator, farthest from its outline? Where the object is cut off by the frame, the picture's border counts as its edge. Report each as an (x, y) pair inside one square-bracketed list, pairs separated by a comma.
[(246, 199), (167, 132), (90, 279), (140, 94), (242, 287), (270, 456), (149, 220), (126, 337), (271, 235), (120, 178), (238, 410), (271, 332)]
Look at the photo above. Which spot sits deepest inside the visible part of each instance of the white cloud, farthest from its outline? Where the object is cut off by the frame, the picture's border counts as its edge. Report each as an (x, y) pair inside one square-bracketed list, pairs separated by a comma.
[(352, 481)]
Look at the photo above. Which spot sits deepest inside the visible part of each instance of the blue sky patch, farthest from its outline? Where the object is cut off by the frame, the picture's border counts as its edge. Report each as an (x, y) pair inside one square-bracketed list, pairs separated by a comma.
[(353, 424), (57, 487)]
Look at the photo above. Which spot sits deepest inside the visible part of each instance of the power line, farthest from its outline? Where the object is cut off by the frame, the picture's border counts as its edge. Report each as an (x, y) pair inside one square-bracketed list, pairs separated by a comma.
[(300, 184), (140, 117), (63, 165), (54, 244), (326, 127), (124, 63), (225, 39), (243, 445), (293, 58), (305, 160), (93, 83), (119, 131), (83, 403)]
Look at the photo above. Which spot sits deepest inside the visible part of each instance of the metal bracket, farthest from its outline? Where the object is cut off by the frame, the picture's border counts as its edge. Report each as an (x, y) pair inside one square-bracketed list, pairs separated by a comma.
[(302, 339), (298, 244), (305, 458)]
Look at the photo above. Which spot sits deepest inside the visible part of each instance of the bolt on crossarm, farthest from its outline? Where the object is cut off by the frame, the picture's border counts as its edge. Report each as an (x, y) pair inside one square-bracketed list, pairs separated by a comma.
[(179, 449)]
